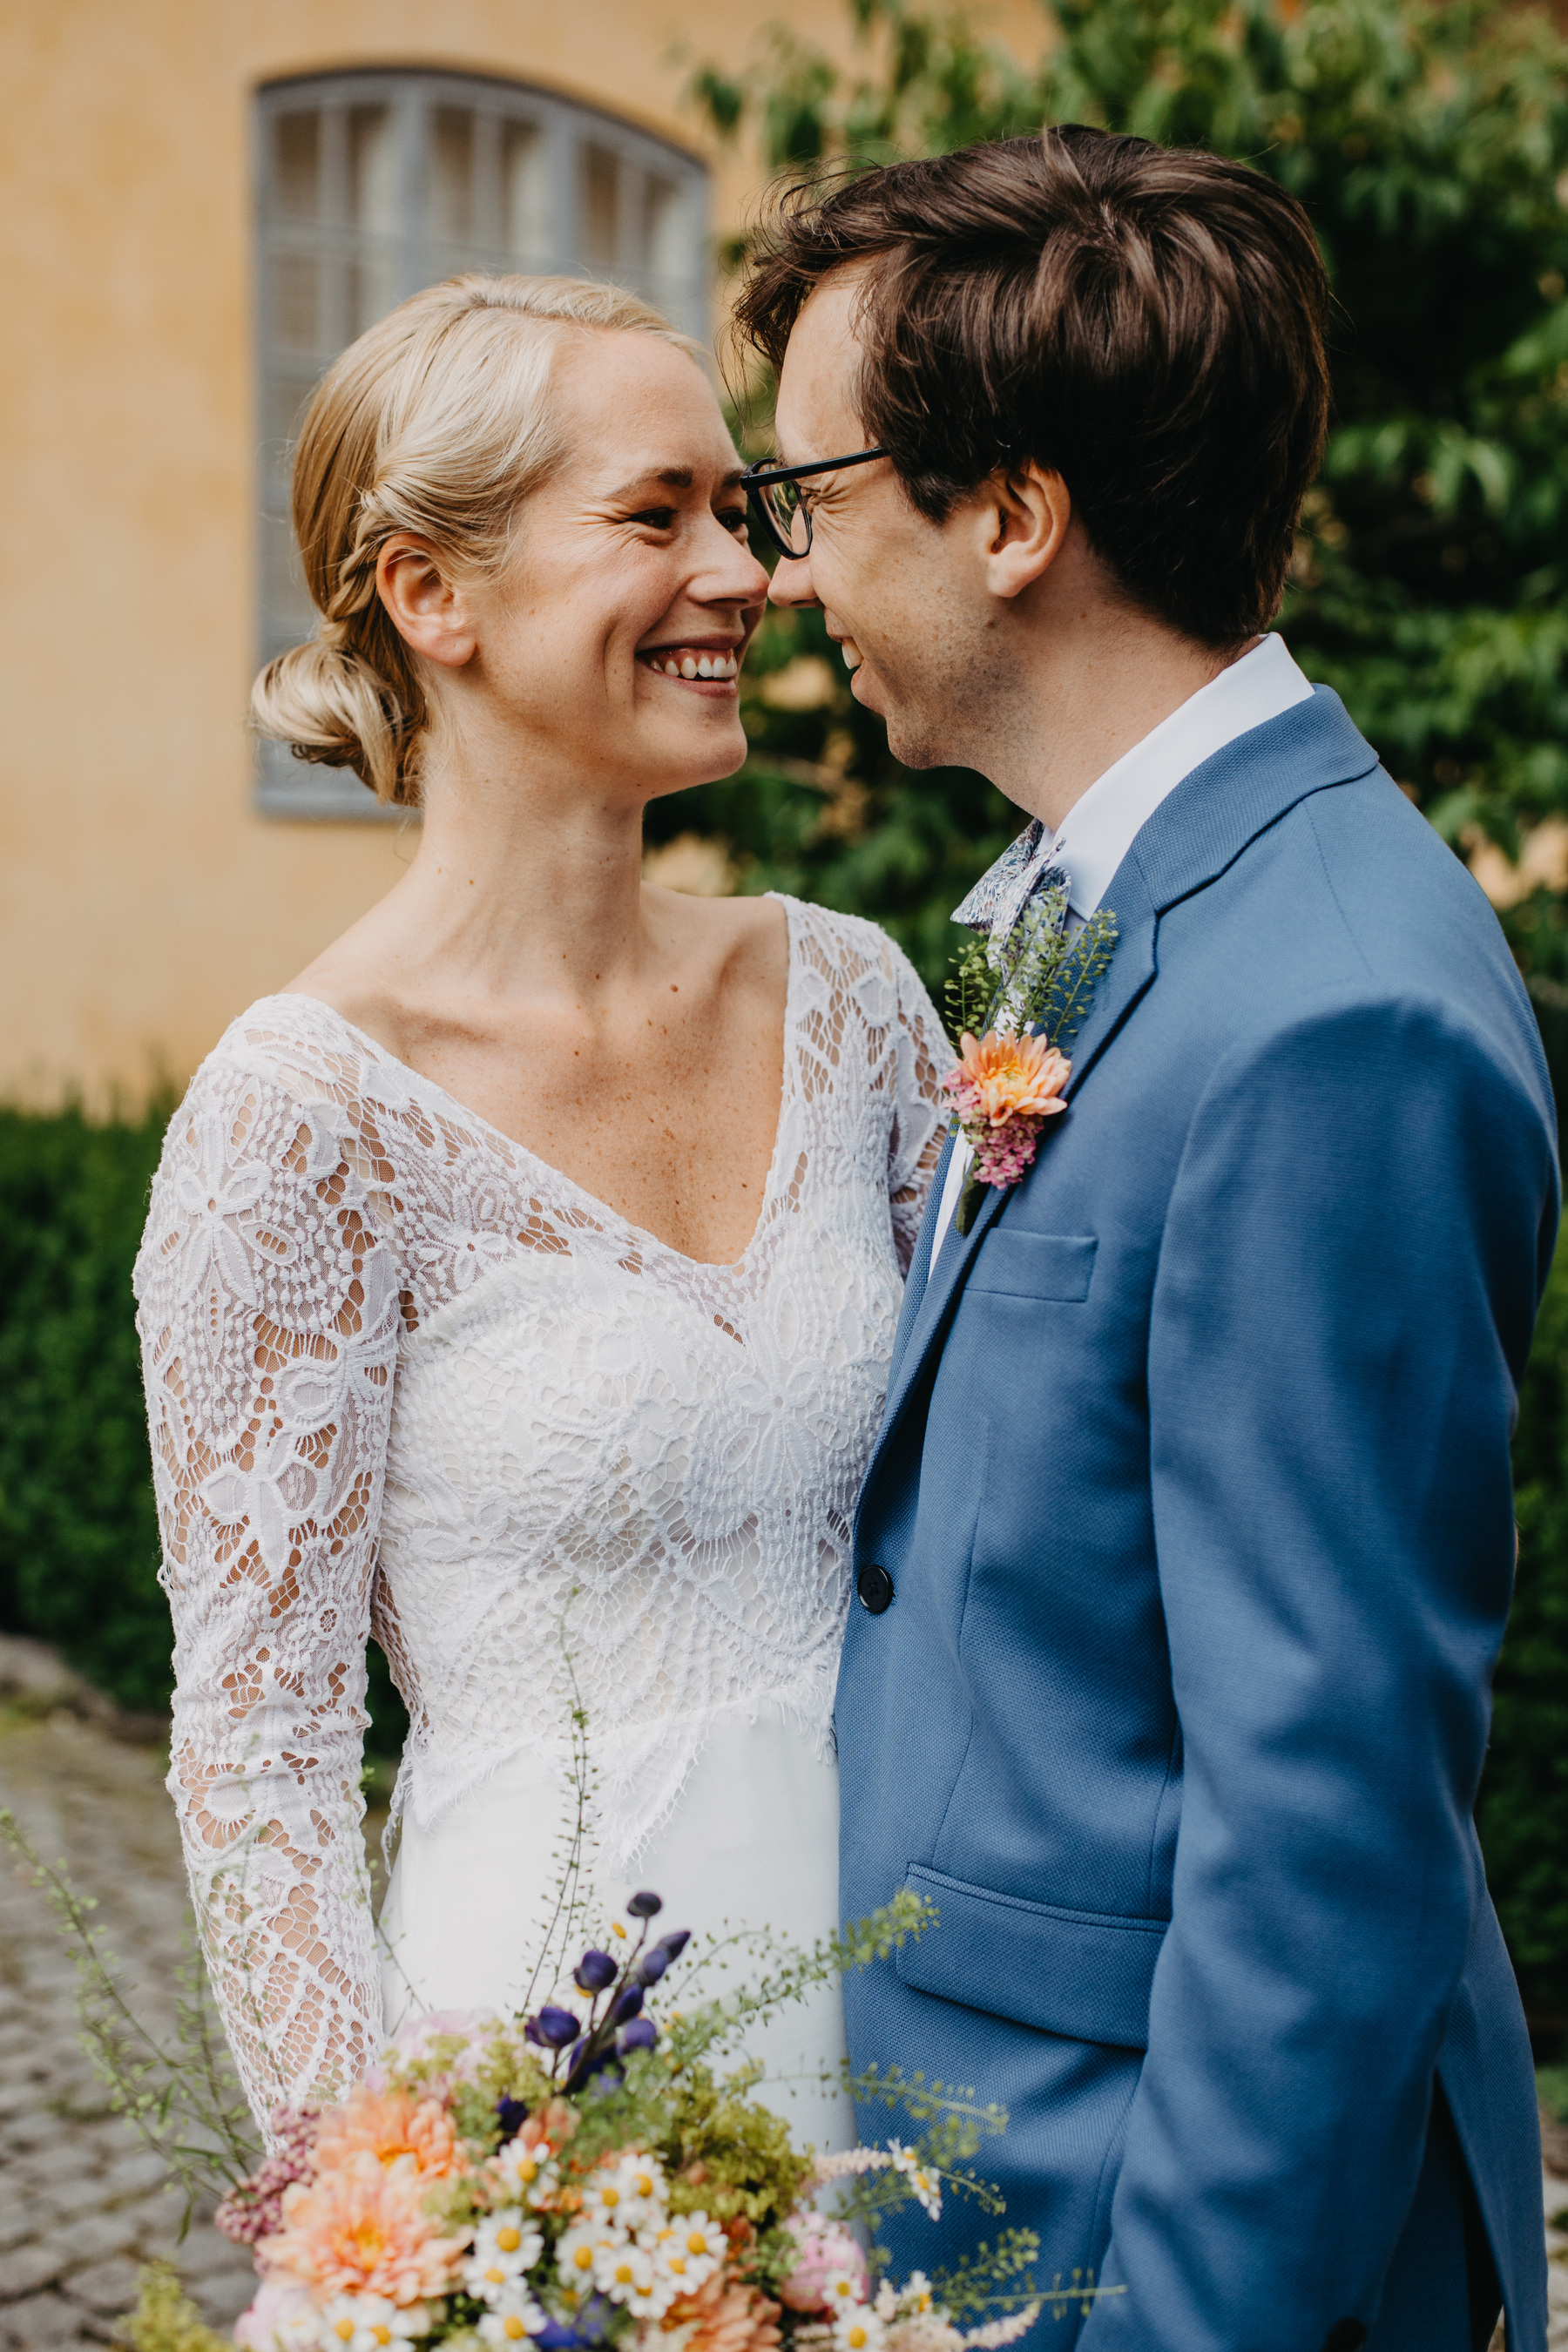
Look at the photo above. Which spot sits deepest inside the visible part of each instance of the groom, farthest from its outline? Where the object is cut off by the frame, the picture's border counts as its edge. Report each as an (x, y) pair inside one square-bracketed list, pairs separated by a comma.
[(1184, 1557)]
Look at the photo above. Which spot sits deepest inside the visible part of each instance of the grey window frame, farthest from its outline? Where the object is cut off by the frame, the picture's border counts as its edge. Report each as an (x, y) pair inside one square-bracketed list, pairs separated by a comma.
[(332, 247)]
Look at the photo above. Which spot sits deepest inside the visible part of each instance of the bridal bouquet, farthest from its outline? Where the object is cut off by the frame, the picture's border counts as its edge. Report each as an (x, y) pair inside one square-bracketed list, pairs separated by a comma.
[(584, 2179)]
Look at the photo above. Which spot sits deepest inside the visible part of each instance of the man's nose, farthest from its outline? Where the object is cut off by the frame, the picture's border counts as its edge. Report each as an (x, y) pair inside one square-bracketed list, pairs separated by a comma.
[(791, 583)]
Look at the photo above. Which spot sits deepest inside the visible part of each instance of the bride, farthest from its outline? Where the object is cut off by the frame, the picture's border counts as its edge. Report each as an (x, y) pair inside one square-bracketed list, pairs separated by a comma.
[(520, 1280)]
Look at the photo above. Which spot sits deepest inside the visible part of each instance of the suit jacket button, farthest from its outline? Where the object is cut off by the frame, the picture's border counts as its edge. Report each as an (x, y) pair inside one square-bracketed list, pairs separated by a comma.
[(874, 1587)]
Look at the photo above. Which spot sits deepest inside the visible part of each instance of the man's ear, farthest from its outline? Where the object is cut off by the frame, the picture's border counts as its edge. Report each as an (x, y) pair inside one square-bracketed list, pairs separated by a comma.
[(1026, 512), (430, 612)]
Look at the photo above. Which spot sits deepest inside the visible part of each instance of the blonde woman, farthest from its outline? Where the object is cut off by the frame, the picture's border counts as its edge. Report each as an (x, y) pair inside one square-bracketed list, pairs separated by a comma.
[(532, 1259)]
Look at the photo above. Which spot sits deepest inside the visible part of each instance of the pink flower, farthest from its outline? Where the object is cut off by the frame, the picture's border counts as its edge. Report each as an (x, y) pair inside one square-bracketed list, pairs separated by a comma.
[(826, 2252), (283, 2314), (1004, 1089), (414, 2038), (363, 2230), (253, 2208)]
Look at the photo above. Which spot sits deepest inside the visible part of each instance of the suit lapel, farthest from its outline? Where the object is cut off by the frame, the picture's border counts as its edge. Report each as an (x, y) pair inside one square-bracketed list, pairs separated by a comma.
[(1130, 972), (1197, 831)]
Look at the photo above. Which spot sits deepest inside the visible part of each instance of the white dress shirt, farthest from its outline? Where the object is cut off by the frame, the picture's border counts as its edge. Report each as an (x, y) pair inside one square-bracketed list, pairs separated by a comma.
[(1098, 829)]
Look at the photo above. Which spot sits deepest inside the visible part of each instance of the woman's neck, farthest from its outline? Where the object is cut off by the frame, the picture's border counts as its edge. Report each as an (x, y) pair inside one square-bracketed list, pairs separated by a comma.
[(518, 890)]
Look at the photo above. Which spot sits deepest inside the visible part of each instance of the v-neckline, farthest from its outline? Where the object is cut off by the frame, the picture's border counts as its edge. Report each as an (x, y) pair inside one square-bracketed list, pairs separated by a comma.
[(602, 1210)]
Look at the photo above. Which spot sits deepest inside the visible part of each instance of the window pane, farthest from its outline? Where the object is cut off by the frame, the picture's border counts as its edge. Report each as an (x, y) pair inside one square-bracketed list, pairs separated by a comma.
[(601, 180), (452, 175), (661, 227), (297, 155), (372, 292), (372, 186), (283, 410), (525, 193), (296, 300)]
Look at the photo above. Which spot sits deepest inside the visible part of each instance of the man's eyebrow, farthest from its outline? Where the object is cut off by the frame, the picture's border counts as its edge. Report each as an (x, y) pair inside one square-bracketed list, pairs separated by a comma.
[(673, 477)]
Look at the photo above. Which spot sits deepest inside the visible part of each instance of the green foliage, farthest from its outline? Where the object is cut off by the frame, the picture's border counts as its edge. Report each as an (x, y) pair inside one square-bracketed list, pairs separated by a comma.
[(79, 1528), (1523, 1812), (79, 1536), (1429, 143), (165, 2319)]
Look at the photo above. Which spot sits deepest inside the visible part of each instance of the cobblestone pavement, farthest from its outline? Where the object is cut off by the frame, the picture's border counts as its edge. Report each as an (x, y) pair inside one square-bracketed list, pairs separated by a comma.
[(81, 2201)]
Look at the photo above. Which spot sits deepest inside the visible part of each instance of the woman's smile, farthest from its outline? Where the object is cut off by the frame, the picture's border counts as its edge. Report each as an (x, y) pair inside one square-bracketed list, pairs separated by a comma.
[(710, 666)]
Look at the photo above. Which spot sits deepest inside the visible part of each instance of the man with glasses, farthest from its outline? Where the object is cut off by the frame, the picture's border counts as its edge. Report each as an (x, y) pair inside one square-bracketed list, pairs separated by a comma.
[(1184, 1557)]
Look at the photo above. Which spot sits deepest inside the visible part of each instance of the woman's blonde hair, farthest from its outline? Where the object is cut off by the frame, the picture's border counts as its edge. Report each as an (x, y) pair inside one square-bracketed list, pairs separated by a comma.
[(438, 420)]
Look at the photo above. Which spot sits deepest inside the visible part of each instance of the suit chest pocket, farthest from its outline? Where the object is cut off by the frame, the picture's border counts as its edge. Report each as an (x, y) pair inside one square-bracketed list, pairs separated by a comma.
[(1035, 1265)]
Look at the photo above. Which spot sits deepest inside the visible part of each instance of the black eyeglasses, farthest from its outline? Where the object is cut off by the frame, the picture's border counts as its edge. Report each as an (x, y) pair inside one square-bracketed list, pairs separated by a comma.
[(782, 511)]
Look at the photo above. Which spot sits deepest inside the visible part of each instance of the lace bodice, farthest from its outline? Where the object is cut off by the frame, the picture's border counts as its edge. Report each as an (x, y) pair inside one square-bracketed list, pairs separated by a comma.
[(404, 1378)]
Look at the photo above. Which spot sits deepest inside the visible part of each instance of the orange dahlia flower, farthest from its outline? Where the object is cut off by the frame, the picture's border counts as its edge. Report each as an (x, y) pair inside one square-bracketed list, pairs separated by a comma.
[(723, 2315), (390, 2124), (1009, 1077), (363, 2230)]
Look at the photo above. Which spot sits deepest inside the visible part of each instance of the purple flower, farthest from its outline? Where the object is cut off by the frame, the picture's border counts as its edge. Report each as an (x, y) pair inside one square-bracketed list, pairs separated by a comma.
[(593, 1971), (553, 2029), (513, 2115), (645, 1906), (628, 2004), (640, 2034)]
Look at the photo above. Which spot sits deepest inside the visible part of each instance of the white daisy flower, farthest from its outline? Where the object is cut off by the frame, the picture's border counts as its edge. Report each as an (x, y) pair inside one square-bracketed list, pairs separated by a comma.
[(368, 2323), (513, 2318), (858, 2330), (575, 2252), (689, 2250), (506, 2245), (925, 2182), (528, 2172), (628, 2193), (841, 2291), (626, 2274)]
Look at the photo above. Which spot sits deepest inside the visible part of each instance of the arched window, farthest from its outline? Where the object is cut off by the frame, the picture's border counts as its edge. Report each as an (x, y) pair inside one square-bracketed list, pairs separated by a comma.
[(370, 185)]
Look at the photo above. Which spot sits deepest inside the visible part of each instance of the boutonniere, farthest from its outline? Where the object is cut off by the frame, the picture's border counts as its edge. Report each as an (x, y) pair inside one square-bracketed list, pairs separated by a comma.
[(1014, 1001)]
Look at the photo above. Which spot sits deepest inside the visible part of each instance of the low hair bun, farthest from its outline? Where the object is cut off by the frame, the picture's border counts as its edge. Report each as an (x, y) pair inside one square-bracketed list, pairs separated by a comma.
[(331, 707), (437, 421)]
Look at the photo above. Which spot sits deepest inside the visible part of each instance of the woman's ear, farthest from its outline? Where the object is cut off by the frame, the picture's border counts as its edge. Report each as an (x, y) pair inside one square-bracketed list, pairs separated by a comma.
[(430, 613), (1028, 511)]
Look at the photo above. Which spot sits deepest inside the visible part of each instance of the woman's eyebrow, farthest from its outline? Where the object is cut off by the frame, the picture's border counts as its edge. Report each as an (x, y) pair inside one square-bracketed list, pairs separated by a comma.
[(673, 477)]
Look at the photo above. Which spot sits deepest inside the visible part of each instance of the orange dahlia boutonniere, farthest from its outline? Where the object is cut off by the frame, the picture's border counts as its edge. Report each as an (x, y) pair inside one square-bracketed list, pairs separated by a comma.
[(1004, 1090)]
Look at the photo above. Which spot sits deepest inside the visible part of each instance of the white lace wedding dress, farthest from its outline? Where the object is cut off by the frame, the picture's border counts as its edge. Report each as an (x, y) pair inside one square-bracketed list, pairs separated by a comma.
[(405, 1379)]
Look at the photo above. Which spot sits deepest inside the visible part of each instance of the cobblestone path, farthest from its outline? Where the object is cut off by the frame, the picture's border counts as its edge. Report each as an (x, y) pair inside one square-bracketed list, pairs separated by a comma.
[(81, 2201)]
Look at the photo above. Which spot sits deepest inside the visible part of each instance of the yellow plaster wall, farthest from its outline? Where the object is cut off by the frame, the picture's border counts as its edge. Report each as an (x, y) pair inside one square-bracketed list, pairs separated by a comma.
[(142, 903)]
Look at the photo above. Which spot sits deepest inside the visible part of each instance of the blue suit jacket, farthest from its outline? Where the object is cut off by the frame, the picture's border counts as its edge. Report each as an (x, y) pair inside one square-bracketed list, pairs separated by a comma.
[(1194, 1488)]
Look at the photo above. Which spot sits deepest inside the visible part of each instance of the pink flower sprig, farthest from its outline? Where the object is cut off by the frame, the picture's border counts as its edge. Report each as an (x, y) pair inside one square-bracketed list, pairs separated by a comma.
[(253, 2208), (1004, 1090)]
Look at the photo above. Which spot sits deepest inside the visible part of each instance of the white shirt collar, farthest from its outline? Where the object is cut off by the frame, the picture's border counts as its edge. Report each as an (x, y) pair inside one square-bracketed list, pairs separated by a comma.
[(1100, 828)]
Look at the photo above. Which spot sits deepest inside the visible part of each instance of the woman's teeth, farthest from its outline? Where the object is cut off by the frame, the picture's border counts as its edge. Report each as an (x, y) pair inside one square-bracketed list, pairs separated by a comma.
[(678, 663)]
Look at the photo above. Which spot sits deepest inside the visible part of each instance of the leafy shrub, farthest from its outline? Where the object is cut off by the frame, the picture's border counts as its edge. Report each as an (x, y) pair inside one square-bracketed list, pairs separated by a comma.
[(1429, 144), (79, 1530), (78, 1534)]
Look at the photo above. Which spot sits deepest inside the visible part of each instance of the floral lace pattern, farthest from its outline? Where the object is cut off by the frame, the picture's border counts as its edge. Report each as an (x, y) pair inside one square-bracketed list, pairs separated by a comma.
[(404, 1378)]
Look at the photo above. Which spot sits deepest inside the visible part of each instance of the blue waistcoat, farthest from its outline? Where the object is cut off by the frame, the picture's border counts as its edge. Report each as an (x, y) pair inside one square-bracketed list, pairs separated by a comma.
[(1194, 1493)]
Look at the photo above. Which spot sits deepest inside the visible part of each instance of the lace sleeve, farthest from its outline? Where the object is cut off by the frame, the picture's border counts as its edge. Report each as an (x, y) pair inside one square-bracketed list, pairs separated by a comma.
[(919, 1118), (269, 1317)]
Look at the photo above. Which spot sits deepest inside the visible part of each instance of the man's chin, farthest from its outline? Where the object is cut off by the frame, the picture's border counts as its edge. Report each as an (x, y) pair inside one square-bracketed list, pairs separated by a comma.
[(910, 735)]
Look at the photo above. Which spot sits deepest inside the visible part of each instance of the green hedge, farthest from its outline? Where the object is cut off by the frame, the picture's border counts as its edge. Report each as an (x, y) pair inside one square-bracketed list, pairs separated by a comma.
[(78, 1533), (78, 1546)]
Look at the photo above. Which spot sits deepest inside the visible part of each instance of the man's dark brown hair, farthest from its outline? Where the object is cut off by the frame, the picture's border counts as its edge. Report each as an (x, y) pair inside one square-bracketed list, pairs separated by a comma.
[(1147, 322)]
